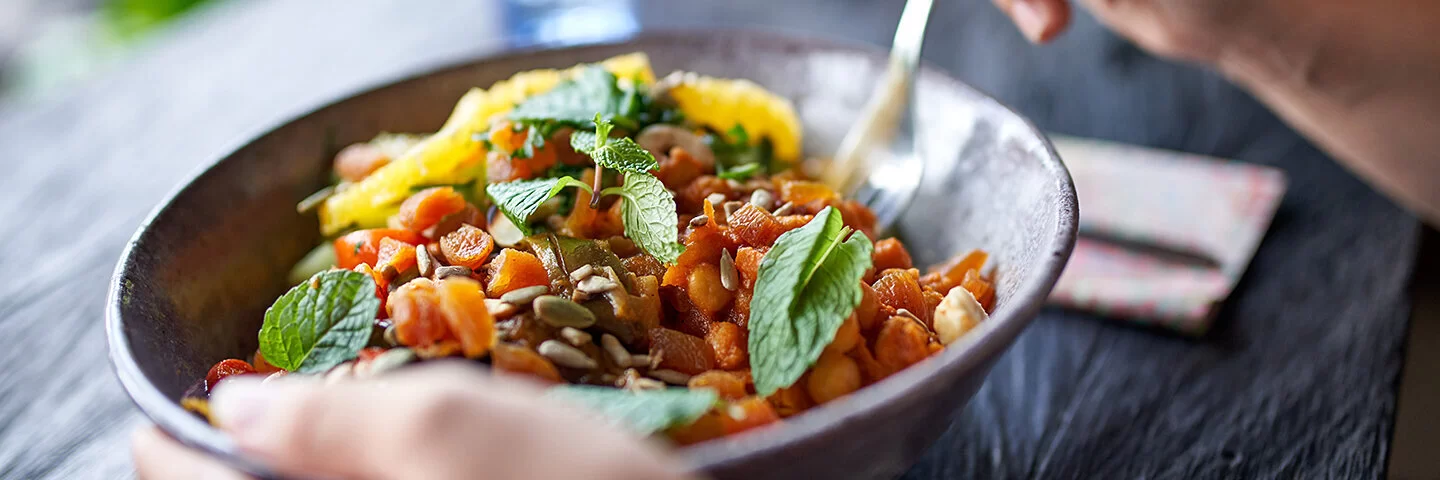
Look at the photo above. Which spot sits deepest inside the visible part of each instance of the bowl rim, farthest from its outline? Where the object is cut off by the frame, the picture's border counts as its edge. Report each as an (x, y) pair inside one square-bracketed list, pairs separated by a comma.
[(985, 343)]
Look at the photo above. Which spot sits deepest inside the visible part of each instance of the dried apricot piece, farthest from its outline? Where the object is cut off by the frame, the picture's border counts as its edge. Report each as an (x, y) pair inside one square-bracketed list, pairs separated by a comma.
[(463, 306), (414, 309), (901, 289), (358, 161), (427, 207), (681, 352), (467, 246), (729, 385), (513, 270), (521, 360), (729, 344), (901, 343), (746, 414), (890, 253), (395, 253)]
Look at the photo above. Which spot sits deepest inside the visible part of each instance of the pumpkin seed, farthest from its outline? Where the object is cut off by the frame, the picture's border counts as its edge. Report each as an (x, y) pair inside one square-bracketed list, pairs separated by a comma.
[(500, 309), (785, 209), (575, 336), (615, 350), (906, 313), (729, 278), (314, 200), (392, 359), (565, 355), (699, 221), (522, 296), (585, 271), (424, 262), (639, 360), (562, 312), (596, 285), (389, 272), (671, 376), (390, 336), (731, 207), (452, 271), (716, 199), (762, 198)]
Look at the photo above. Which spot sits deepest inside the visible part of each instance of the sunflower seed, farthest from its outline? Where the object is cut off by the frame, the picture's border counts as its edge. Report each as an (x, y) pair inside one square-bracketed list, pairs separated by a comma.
[(582, 273), (615, 350), (729, 278), (785, 209), (762, 198), (716, 198), (452, 271), (639, 360), (561, 312), (500, 309), (523, 296), (671, 377), (389, 272), (565, 355), (392, 359), (699, 221), (596, 285), (575, 336), (906, 313), (314, 200), (632, 381), (731, 207), (390, 337), (424, 262)]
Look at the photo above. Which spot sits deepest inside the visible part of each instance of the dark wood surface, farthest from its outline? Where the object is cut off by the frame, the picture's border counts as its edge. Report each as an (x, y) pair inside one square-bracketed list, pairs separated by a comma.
[(1298, 380)]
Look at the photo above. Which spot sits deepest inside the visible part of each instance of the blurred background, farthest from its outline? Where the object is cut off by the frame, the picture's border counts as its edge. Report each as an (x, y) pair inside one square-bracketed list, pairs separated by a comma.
[(105, 97)]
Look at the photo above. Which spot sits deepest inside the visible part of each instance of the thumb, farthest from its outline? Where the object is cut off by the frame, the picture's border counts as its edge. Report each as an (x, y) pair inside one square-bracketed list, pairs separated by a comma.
[(1039, 20), (445, 421)]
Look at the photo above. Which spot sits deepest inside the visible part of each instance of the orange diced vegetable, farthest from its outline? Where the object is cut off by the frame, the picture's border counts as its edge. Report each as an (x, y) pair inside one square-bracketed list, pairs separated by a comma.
[(729, 344), (983, 291), (747, 264), (463, 306), (521, 360), (902, 342), (754, 226), (679, 168), (801, 192), (729, 385), (264, 366), (681, 352), (415, 311), (512, 270), (950, 274), (791, 400), (427, 207), (396, 254), (358, 161), (746, 414), (901, 289), (889, 253), (868, 312), (702, 245), (363, 246), (467, 246)]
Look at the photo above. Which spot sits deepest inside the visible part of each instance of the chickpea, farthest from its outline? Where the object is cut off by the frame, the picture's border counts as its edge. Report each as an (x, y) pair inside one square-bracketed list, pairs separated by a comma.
[(868, 312), (705, 290), (834, 376), (846, 337)]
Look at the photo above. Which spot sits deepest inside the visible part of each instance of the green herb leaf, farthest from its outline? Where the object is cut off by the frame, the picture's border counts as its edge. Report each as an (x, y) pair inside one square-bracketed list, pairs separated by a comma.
[(574, 102), (320, 323), (646, 411), (808, 283), (736, 158), (649, 216), (518, 199), (740, 173), (615, 153)]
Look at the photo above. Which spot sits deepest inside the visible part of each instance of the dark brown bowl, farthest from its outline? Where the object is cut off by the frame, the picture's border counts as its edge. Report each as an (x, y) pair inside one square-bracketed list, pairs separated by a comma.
[(193, 283)]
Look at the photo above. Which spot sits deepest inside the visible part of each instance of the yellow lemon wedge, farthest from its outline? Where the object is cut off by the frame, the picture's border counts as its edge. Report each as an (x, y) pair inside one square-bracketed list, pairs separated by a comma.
[(452, 155), (721, 103)]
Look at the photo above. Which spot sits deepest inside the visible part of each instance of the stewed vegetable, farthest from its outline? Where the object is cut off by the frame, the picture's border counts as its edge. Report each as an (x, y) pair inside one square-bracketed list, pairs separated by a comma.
[(648, 247)]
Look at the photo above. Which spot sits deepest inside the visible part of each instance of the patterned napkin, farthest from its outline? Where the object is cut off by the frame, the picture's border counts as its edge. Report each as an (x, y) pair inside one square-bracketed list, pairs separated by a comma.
[(1165, 235)]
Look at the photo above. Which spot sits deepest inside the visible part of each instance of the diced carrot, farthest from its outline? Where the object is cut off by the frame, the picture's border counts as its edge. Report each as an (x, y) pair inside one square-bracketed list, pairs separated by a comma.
[(702, 245), (801, 192), (521, 360), (753, 226), (427, 207), (729, 344), (901, 289), (858, 216), (983, 291), (692, 197), (514, 269), (382, 286), (791, 222), (358, 161), (681, 352), (747, 413), (740, 310), (582, 217), (747, 264), (463, 306), (951, 274), (679, 168), (396, 254), (467, 246), (889, 253), (729, 385), (363, 246), (902, 342), (415, 311)]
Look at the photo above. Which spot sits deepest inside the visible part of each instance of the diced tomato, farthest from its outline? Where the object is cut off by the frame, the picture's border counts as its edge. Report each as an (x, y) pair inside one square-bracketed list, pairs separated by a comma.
[(363, 246), (226, 368), (264, 366)]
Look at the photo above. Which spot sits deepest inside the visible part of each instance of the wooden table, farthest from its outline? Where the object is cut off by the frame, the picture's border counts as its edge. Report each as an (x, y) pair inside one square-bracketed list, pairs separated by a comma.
[(1298, 380)]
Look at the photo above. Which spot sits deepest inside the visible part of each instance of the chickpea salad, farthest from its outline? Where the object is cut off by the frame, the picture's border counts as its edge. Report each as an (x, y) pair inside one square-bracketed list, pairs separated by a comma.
[(649, 247)]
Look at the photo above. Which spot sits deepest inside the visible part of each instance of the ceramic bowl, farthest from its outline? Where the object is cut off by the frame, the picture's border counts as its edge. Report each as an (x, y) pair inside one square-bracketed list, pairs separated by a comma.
[(194, 282)]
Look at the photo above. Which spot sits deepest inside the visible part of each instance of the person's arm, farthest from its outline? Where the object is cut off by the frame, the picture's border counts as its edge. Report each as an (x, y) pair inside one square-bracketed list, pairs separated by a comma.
[(1361, 79)]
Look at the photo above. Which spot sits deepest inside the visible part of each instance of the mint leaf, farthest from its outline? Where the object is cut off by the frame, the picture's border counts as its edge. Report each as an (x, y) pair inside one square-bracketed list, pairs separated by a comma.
[(614, 153), (574, 102), (644, 412), (518, 199), (737, 158), (649, 216), (808, 283), (320, 323), (740, 173)]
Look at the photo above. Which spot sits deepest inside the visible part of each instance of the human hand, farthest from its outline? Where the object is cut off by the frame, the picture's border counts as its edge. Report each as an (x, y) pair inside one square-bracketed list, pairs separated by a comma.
[(441, 421), (1194, 30)]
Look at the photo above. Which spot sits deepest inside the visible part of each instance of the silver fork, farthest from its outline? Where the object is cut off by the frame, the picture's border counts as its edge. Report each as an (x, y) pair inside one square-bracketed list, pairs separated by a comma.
[(878, 163)]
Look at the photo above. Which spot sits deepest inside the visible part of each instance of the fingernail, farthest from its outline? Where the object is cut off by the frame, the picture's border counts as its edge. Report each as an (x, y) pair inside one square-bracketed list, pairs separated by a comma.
[(1029, 18), (239, 402)]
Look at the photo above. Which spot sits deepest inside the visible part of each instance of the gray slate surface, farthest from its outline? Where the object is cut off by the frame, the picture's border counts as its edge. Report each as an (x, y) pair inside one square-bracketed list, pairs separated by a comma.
[(1297, 381)]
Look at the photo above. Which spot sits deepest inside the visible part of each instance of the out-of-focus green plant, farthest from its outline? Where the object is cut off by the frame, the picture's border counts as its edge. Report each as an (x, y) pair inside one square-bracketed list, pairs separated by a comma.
[(130, 19)]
